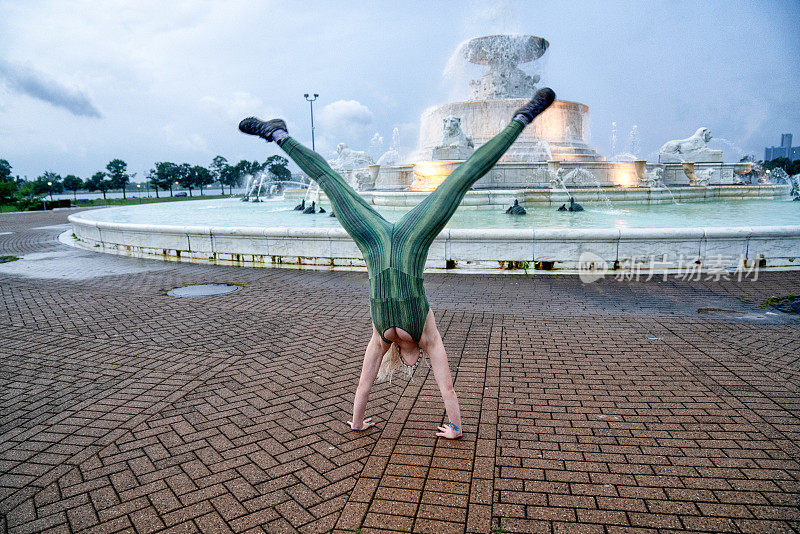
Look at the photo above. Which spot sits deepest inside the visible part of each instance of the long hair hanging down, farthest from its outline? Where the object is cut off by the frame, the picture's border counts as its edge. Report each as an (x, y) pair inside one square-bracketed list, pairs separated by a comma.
[(392, 363)]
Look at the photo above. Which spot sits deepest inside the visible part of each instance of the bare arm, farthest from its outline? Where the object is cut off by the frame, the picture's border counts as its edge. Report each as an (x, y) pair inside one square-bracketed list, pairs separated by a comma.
[(432, 344), (369, 370)]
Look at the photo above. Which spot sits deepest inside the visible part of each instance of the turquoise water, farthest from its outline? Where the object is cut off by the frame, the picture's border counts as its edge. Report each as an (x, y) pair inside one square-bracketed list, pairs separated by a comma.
[(272, 213)]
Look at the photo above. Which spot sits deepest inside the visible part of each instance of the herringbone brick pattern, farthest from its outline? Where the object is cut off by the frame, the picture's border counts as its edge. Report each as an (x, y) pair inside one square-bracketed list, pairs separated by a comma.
[(612, 407)]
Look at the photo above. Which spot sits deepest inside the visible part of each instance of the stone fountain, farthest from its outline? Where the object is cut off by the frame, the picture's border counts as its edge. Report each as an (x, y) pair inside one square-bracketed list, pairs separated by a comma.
[(557, 134), (551, 164), (553, 145)]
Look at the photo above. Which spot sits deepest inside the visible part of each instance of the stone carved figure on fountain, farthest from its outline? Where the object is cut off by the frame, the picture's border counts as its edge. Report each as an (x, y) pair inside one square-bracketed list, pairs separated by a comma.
[(653, 179), (496, 93), (779, 176), (348, 159), (455, 145), (363, 178), (558, 179), (697, 177), (578, 176), (693, 149), (795, 181), (516, 209), (703, 177), (573, 206), (502, 53)]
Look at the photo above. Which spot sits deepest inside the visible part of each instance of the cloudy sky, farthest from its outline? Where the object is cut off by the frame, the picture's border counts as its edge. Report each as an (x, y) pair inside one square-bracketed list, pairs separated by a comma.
[(83, 82)]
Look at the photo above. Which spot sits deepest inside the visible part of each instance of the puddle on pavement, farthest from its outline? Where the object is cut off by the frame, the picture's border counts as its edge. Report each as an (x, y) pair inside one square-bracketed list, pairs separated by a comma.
[(720, 311), (733, 314), (203, 290)]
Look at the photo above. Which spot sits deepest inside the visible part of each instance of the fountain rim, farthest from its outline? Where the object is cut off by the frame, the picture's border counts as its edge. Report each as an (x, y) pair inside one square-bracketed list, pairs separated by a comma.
[(311, 231), (559, 250)]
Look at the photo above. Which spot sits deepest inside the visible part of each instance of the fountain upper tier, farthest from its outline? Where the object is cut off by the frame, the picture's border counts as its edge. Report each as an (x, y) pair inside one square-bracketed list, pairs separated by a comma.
[(502, 53), (557, 134)]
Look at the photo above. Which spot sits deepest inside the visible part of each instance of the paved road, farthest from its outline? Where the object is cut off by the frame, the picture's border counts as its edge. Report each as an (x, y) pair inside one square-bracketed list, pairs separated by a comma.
[(610, 407)]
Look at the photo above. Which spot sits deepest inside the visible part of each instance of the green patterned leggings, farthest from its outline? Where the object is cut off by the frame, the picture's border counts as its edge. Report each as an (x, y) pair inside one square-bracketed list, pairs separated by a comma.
[(395, 253)]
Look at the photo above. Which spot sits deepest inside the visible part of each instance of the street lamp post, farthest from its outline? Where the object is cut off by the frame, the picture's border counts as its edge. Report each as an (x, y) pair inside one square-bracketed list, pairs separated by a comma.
[(50, 190), (311, 103)]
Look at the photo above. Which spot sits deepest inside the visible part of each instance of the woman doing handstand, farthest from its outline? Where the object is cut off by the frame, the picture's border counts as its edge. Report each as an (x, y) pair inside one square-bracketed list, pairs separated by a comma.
[(395, 254)]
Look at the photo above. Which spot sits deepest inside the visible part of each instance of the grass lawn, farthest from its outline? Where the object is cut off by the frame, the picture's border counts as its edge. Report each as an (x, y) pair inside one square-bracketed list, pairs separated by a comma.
[(141, 200), (5, 208)]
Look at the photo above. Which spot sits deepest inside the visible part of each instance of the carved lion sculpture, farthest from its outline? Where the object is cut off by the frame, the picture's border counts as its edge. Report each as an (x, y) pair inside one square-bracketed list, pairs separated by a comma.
[(695, 148), (348, 159), (453, 136)]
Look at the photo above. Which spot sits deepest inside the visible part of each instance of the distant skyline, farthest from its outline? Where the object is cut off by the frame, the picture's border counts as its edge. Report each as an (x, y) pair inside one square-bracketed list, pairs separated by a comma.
[(82, 83)]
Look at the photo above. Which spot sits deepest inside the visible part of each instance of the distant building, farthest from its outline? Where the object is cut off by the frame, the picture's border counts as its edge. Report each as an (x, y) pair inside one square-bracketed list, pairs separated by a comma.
[(785, 150)]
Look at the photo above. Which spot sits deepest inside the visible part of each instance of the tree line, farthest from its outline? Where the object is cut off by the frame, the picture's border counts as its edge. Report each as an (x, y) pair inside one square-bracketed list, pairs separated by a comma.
[(791, 167), (162, 177)]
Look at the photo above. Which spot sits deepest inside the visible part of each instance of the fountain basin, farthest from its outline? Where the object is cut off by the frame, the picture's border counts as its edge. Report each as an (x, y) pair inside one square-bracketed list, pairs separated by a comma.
[(463, 249)]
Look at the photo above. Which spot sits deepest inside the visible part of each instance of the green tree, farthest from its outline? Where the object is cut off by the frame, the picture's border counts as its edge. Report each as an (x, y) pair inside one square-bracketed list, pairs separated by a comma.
[(230, 177), (47, 184), (240, 170), (73, 183), (219, 167), (185, 177), (99, 182), (8, 190), (26, 198), (8, 186), (117, 173), (166, 174), (279, 167), (202, 177), (793, 168), (783, 163), (5, 170), (152, 179)]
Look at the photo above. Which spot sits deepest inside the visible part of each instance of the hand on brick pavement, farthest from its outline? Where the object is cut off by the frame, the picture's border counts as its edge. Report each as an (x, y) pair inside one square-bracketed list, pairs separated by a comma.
[(365, 424), (449, 433)]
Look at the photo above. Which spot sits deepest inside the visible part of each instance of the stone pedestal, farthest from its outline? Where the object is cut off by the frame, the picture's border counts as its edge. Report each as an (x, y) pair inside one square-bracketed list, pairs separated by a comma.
[(701, 156), (452, 153)]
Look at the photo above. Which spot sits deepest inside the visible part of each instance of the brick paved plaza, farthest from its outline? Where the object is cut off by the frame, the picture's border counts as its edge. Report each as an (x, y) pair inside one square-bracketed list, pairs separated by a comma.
[(610, 407)]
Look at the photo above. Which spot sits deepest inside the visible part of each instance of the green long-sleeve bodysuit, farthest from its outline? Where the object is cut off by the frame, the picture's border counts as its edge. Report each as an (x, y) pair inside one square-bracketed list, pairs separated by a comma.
[(395, 253)]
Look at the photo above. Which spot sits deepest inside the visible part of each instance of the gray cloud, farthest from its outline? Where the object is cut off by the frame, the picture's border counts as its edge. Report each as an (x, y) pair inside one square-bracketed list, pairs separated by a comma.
[(346, 114), (38, 85)]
